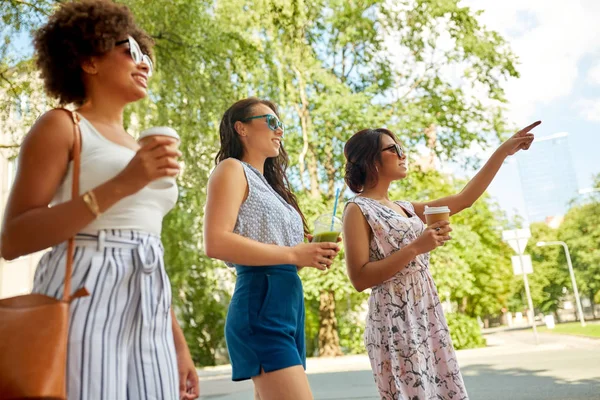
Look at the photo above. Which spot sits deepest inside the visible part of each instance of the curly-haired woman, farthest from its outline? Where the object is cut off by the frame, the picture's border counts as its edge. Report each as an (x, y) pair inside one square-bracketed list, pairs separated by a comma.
[(124, 341)]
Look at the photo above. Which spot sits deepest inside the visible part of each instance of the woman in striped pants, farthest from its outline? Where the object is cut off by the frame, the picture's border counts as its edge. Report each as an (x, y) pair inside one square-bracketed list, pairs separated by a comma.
[(124, 342)]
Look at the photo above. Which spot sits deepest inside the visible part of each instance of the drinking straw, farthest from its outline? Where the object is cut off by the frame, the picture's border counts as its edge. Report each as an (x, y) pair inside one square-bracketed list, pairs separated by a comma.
[(337, 197)]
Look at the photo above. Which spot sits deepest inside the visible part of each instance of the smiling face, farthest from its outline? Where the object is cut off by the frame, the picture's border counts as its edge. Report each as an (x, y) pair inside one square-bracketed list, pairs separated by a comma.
[(393, 164), (260, 133), (118, 72)]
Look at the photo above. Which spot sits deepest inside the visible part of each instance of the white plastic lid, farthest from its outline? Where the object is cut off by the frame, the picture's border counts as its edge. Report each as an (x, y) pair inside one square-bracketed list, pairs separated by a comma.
[(436, 210), (159, 131)]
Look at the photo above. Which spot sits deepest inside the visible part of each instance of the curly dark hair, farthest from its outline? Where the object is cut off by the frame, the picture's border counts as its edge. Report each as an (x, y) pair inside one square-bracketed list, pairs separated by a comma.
[(363, 152), (76, 31), (232, 147)]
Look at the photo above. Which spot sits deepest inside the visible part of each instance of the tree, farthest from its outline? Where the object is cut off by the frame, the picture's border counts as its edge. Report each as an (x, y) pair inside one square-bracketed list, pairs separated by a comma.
[(333, 67), (581, 231), (550, 273), (337, 69), (21, 95), (199, 50)]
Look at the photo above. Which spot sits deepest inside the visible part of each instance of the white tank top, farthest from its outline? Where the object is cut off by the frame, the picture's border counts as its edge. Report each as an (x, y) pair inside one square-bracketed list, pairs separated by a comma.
[(102, 160)]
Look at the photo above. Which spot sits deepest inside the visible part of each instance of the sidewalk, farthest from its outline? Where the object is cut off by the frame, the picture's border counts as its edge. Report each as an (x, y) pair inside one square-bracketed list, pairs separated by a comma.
[(314, 365)]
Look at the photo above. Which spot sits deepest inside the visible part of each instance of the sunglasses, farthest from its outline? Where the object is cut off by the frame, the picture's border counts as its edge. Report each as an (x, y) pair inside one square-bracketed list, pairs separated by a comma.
[(136, 54), (272, 121), (397, 149)]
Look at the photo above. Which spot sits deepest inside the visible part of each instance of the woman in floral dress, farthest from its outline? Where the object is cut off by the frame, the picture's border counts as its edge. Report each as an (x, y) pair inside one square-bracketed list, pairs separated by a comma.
[(387, 249)]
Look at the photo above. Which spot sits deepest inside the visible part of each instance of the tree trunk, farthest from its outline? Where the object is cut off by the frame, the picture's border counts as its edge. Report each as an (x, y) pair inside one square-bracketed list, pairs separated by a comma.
[(557, 317), (593, 304), (306, 126), (313, 172), (329, 341), (462, 307), (431, 134)]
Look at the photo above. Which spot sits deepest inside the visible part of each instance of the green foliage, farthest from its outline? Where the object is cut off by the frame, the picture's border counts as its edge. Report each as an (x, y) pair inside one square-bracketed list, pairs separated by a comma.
[(312, 325), (333, 67), (550, 273), (464, 331), (351, 314), (581, 231)]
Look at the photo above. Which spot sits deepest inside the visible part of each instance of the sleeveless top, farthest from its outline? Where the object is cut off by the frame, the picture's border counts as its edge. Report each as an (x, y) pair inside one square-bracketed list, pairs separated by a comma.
[(265, 216), (102, 160), (392, 231)]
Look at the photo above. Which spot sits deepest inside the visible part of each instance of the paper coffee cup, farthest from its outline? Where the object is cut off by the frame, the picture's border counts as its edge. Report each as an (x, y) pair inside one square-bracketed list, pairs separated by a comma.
[(158, 131), (165, 182), (435, 214)]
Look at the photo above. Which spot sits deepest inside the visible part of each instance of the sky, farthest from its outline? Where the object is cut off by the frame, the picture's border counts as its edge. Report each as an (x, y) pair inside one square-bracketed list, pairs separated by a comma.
[(558, 46)]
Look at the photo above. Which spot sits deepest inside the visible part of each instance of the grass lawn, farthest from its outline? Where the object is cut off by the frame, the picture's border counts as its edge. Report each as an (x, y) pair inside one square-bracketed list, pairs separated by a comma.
[(592, 329)]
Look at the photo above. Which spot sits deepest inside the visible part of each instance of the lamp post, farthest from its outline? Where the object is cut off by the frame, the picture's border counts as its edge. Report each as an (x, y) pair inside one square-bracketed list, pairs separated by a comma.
[(517, 239), (573, 282)]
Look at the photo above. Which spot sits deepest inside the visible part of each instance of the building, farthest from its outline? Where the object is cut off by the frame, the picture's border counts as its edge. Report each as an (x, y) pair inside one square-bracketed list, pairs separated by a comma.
[(548, 177)]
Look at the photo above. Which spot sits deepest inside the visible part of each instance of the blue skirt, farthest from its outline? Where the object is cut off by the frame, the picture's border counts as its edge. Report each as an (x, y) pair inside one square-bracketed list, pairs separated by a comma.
[(265, 321)]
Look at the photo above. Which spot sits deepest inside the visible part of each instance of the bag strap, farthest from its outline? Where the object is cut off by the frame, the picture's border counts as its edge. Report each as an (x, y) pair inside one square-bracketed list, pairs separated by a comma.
[(74, 194)]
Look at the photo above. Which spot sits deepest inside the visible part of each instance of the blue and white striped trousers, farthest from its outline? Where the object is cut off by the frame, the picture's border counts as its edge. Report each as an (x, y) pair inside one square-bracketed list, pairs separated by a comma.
[(120, 336)]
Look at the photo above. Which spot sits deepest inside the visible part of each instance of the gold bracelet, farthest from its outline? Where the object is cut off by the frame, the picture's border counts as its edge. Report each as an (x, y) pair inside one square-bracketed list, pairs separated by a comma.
[(90, 201)]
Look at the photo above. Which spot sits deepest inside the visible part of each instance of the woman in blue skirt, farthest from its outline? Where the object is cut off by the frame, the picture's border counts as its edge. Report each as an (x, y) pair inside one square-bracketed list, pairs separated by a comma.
[(254, 224)]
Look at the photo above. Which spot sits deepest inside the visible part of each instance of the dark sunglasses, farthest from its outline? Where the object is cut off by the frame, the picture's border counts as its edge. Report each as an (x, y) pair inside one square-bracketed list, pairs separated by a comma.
[(136, 54), (397, 149), (272, 121)]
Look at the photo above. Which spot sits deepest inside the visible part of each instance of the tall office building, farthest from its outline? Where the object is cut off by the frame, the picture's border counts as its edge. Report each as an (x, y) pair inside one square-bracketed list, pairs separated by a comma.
[(547, 177)]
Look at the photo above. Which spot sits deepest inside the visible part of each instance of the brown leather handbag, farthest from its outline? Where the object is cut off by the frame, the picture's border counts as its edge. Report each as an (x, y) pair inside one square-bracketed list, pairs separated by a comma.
[(34, 328)]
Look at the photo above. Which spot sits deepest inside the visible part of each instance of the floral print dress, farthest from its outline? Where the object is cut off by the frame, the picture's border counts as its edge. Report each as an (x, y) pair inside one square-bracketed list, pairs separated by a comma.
[(406, 333)]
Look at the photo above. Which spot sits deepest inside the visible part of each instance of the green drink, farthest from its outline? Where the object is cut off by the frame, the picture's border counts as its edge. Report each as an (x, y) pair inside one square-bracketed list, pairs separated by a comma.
[(326, 237), (327, 229)]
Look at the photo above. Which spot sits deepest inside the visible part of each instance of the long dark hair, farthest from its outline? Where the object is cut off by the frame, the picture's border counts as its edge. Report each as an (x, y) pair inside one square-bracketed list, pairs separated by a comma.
[(363, 152), (232, 147)]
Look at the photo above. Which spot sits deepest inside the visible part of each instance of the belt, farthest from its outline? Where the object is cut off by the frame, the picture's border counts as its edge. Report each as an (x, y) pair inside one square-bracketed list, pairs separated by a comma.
[(148, 255)]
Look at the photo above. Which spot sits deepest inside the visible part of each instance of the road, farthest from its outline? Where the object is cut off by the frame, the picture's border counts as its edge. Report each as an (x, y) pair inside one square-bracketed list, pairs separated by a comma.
[(511, 367)]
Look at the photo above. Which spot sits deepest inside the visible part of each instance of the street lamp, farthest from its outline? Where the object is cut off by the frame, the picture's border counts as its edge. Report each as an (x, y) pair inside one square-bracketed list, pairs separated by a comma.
[(575, 291)]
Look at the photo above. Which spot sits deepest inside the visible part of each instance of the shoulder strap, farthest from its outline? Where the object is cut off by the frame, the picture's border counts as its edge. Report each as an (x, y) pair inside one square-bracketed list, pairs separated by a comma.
[(76, 153)]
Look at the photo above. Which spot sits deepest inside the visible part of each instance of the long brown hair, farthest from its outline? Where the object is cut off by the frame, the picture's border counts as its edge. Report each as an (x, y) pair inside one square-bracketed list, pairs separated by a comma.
[(232, 147)]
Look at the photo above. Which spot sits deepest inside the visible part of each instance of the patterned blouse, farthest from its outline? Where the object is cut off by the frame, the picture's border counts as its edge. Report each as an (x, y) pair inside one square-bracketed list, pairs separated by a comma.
[(265, 216)]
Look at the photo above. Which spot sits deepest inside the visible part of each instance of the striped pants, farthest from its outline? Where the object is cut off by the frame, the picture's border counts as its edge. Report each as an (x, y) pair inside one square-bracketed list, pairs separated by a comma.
[(120, 336)]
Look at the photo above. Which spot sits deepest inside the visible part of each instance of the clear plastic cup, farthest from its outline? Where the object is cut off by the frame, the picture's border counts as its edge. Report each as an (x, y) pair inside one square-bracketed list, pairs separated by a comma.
[(327, 229)]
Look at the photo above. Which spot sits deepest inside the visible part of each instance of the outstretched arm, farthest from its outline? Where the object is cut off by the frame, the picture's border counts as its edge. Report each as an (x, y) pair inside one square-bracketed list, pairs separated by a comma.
[(480, 182)]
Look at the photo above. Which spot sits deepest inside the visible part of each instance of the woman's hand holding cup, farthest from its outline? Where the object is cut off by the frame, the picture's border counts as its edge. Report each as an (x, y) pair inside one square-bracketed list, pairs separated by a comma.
[(170, 153), (316, 255), (435, 235), (155, 160)]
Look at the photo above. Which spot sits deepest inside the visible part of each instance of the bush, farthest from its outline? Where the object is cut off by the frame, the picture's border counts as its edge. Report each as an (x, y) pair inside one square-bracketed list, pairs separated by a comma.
[(464, 331), (351, 330)]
